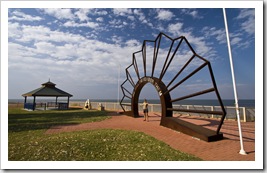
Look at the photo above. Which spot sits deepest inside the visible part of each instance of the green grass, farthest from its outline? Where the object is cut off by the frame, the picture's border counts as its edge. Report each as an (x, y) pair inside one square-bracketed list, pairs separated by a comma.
[(27, 140)]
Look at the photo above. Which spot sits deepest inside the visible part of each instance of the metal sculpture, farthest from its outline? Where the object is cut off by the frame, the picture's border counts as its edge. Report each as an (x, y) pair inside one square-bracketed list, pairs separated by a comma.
[(140, 72)]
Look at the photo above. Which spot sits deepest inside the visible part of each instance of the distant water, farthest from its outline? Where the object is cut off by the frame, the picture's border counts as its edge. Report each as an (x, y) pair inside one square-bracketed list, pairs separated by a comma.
[(241, 103)]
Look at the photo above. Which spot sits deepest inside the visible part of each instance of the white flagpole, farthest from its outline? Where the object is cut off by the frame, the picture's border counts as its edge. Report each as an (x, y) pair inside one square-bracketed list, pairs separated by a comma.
[(119, 75), (242, 151)]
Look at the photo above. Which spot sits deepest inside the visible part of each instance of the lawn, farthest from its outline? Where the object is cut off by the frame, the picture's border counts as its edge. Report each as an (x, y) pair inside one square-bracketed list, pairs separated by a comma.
[(27, 141)]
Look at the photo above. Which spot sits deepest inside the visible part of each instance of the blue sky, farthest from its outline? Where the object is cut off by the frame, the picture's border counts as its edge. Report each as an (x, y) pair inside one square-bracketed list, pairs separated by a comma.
[(83, 50)]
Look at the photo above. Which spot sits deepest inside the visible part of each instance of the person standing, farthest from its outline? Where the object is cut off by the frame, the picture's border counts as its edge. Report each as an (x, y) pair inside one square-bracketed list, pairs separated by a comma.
[(145, 110)]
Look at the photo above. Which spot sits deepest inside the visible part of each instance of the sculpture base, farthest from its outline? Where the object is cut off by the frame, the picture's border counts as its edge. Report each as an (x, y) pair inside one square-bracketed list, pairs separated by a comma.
[(191, 129)]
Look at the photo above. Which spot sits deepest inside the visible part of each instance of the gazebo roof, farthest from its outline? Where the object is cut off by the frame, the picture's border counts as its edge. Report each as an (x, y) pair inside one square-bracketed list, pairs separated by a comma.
[(48, 84), (48, 89)]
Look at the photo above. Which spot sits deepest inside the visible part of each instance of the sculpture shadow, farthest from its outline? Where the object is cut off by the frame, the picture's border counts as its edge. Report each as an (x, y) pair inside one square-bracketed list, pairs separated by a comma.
[(38, 120)]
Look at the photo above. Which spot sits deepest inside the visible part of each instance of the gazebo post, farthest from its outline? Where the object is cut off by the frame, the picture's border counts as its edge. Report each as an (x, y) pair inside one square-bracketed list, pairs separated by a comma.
[(33, 108), (56, 99), (25, 101)]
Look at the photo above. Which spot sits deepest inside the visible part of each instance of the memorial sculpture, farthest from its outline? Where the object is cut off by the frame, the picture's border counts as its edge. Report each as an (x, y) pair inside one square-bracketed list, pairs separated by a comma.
[(151, 65), (100, 107), (88, 105)]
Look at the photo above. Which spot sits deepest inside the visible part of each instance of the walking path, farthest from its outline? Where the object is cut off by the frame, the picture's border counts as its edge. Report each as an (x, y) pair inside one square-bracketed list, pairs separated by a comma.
[(223, 150)]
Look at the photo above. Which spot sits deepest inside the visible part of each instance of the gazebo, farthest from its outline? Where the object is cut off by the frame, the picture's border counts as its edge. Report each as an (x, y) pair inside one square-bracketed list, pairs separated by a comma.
[(48, 89)]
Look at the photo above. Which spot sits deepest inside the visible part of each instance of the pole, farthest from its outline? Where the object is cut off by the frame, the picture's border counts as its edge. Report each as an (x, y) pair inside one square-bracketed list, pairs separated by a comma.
[(242, 151), (119, 71)]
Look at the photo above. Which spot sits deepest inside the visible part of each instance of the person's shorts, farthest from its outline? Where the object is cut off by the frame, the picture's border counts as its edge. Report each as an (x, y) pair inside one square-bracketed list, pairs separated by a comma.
[(145, 110)]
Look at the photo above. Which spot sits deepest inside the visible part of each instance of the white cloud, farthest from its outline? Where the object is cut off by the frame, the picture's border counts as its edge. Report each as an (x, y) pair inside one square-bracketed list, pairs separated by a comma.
[(67, 51), (82, 14), (141, 17), (239, 41), (246, 13), (195, 14), (140, 14), (116, 39), (175, 29), (249, 26), (20, 16), (100, 19), (59, 13), (45, 47), (192, 12), (18, 52), (235, 40), (76, 56), (100, 12), (199, 44), (221, 36), (87, 24), (248, 20), (122, 11), (55, 53), (164, 14), (14, 30), (116, 23), (28, 33), (218, 34), (133, 42), (243, 36), (131, 18)]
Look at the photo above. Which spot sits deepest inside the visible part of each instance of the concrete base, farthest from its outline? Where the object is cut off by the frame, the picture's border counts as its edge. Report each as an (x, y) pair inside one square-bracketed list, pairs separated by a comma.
[(191, 129)]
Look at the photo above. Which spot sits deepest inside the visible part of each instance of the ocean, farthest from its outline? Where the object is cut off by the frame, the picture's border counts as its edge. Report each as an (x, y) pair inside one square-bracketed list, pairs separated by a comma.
[(248, 103)]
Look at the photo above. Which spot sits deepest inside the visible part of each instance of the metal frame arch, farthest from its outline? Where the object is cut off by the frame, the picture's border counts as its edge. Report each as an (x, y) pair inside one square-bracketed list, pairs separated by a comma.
[(165, 99), (165, 89)]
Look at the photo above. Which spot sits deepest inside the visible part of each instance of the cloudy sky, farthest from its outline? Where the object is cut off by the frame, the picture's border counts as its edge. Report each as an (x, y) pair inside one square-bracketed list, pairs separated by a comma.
[(83, 51)]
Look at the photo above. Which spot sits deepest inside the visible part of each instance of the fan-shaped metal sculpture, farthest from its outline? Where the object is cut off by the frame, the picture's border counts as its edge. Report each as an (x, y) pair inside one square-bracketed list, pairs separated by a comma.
[(168, 64)]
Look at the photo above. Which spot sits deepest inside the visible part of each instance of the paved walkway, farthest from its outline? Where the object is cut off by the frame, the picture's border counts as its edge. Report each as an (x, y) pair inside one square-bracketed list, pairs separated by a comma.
[(223, 150)]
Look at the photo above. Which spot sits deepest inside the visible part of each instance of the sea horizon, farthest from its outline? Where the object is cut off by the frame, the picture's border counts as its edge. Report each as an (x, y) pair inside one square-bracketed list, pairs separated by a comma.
[(249, 103)]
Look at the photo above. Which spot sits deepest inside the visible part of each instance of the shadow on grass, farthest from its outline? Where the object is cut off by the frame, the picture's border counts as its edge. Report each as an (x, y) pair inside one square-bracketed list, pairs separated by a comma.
[(21, 120)]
